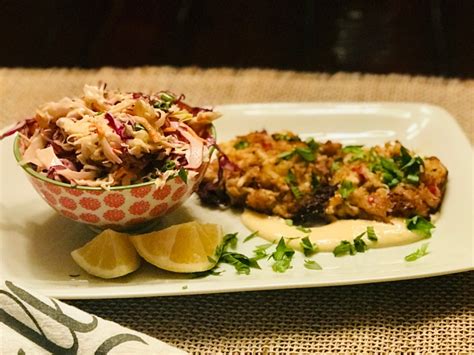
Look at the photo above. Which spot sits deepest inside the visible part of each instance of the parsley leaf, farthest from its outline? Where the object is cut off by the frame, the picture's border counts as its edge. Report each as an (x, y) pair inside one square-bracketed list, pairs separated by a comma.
[(420, 226), (346, 188), (286, 155), (168, 165), (308, 247), (291, 181), (241, 144), (260, 251), (359, 245), (241, 263), (305, 153), (312, 144), (420, 252), (285, 137), (250, 236), (230, 240), (344, 248), (371, 234), (183, 174), (312, 265), (303, 229), (282, 256), (356, 151)]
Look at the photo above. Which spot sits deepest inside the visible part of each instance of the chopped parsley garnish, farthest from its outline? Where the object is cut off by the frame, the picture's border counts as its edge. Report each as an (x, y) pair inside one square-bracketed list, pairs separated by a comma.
[(282, 256), (291, 181), (359, 244), (289, 222), (303, 229), (230, 240), (185, 287), (345, 247), (404, 167), (312, 144), (250, 236), (308, 247), (305, 153), (420, 252), (371, 234), (241, 144), (240, 262), (183, 174), (286, 155), (285, 137), (312, 265), (168, 165), (260, 251), (356, 150), (346, 189), (420, 226), (138, 127)]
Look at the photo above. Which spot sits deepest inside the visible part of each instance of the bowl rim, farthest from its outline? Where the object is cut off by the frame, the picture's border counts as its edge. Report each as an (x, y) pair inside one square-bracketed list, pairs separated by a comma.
[(29, 170)]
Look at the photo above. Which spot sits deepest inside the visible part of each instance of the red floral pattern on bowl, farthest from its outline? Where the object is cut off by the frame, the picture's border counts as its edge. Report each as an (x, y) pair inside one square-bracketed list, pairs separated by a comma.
[(121, 208)]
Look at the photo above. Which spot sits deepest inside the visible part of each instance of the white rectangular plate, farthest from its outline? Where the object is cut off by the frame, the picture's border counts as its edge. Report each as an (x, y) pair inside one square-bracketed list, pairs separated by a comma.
[(35, 242)]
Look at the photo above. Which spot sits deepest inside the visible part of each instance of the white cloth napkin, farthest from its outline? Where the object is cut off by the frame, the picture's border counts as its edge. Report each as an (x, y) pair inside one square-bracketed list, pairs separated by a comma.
[(34, 324)]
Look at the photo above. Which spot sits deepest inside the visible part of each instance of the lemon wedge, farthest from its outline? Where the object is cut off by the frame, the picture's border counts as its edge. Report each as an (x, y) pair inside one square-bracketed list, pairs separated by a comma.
[(186, 247), (110, 254)]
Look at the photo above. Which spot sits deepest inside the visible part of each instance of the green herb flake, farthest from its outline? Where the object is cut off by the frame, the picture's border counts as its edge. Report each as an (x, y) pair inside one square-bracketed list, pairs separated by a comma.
[(345, 247), (420, 252), (289, 222), (185, 287), (291, 181), (250, 236), (240, 262), (312, 144), (359, 244), (183, 174), (230, 240), (420, 226), (241, 144), (168, 165), (371, 234), (260, 251), (303, 229), (346, 188), (305, 153), (286, 155), (356, 151), (312, 265), (282, 256), (308, 247)]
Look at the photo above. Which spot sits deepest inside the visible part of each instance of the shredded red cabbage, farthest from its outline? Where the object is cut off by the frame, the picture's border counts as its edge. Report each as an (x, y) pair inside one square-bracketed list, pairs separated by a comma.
[(18, 126), (117, 126)]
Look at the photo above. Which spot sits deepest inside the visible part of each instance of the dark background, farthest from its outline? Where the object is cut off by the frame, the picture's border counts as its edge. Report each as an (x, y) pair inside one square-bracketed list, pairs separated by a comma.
[(416, 37)]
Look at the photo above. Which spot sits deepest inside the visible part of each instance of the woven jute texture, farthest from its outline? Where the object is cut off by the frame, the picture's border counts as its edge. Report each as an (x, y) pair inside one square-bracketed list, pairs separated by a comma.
[(434, 315)]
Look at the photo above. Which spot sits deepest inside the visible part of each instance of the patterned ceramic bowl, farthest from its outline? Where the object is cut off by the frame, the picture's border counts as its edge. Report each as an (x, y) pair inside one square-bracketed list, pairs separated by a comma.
[(120, 207)]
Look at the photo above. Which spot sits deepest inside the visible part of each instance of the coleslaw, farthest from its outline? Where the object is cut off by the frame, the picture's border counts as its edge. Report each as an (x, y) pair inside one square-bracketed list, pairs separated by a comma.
[(108, 138)]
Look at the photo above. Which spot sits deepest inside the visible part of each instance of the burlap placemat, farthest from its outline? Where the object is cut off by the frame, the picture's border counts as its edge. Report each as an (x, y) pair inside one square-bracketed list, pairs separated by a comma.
[(433, 315)]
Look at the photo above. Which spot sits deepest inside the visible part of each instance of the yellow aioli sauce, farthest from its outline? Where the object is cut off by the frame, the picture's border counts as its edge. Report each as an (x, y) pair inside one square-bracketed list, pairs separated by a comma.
[(328, 236)]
